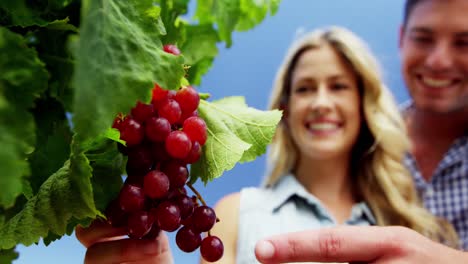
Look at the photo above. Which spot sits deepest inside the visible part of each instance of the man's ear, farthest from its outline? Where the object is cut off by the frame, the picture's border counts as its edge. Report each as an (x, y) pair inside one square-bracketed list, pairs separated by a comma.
[(400, 36)]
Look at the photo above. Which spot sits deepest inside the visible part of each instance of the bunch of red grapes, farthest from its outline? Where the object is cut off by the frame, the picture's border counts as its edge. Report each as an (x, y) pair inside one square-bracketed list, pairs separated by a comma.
[(162, 139)]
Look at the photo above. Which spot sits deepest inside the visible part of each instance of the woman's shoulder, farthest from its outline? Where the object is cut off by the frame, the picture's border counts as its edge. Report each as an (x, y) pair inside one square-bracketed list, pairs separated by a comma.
[(247, 197), (255, 193), (229, 201)]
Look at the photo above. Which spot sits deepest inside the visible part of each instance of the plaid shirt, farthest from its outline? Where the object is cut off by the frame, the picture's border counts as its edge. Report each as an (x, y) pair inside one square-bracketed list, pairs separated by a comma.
[(446, 193)]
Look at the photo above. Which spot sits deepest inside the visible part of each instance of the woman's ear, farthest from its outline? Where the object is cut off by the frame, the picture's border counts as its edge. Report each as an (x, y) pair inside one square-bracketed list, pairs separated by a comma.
[(284, 107)]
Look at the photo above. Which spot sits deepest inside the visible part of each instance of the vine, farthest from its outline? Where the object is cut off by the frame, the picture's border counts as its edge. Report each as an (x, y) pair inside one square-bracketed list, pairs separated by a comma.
[(68, 67)]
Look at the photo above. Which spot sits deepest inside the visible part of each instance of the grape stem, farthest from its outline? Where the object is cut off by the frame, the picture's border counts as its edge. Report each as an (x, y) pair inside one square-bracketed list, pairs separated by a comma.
[(199, 197), (197, 194)]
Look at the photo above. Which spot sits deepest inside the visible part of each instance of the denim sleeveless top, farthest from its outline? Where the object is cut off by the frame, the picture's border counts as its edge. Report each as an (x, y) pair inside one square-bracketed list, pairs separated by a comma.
[(285, 207)]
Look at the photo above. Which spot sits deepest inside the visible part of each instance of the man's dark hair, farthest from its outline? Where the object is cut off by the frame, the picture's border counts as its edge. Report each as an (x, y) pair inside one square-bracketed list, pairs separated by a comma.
[(409, 6)]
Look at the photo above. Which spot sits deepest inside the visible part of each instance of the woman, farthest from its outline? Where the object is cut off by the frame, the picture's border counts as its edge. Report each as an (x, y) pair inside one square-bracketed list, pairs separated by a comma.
[(336, 156)]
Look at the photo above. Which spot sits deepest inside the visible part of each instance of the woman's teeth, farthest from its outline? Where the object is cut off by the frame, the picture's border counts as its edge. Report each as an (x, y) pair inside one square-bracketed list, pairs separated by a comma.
[(323, 126)]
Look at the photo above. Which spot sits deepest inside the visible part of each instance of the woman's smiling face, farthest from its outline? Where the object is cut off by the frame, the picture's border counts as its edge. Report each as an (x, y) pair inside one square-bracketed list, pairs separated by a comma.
[(323, 112)]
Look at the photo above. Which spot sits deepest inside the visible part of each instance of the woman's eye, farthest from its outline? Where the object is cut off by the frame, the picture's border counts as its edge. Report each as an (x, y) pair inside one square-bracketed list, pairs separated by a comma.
[(301, 89), (339, 86)]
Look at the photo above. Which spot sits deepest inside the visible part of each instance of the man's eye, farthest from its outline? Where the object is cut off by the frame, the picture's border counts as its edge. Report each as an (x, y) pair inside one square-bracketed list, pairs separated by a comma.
[(421, 39), (461, 43)]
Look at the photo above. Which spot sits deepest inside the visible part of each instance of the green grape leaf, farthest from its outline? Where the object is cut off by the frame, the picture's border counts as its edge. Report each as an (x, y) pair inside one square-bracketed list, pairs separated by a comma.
[(53, 141), (254, 12), (231, 15), (198, 70), (51, 237), (8, 255), (13, 168), (114, 135), (59, 4), (7, 214), (20, 14), (62, 25), (170, 16), (27, 188), (55, 53), (199, 50), (26, 13), (221, 152), (118, 59), (22, 79), (108, 166), (204, 12), (236, 133), (225, 13), (274, 6), (200, 43), (65, 194)]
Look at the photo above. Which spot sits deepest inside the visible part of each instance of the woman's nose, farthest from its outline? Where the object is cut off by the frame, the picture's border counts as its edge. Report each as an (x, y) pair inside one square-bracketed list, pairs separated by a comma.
[(322, 102)]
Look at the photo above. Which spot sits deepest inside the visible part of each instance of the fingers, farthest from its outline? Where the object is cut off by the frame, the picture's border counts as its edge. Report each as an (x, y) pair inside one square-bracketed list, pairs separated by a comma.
[(339, 244), (130, 251), (106, 244), (98, 231)]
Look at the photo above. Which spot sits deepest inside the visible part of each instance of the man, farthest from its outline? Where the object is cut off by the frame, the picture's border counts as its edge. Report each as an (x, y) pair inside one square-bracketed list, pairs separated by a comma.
[(434, 53)]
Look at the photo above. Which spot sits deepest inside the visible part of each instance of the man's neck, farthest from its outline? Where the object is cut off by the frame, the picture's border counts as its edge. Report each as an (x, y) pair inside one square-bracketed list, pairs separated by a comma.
[(426, 126), (432, 135)]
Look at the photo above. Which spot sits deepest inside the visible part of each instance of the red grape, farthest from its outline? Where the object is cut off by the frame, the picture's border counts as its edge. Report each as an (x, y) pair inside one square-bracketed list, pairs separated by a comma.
[(140, 160), (139, 224), (153, 233), (158, 150), (158, 94), (156, 184), (195, 128), (115, 215), (131, 131), (170, 109), (157, 128), (176, 172), (169, 48), (188, 99), (131, 198), (141, 112), (168, 216), (178, 144), (185, 205), (211, 248), (194, 153), (203, 218), (187, 239)]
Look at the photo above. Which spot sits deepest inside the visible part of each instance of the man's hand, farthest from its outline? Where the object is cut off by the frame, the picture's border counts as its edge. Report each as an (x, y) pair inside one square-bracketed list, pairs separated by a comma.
[(364, 244)]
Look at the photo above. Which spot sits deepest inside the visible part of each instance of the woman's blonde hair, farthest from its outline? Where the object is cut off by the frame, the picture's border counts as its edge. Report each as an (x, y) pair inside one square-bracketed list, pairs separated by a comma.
[(376, 164)]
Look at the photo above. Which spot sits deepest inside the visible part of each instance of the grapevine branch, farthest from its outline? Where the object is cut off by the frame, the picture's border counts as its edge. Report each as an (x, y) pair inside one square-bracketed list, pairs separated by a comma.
[(199, 197)]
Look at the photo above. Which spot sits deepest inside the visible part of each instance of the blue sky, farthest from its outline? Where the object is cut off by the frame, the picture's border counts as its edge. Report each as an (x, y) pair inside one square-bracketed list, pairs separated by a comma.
[(248, 69)]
